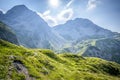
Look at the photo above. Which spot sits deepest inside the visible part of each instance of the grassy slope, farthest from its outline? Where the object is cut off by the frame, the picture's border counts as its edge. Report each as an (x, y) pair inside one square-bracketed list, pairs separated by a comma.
[(43, 64), (107, 49)]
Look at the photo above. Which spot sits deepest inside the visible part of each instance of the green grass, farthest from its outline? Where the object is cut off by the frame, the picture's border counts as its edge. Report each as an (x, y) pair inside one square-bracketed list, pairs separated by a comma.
[(43, 64)]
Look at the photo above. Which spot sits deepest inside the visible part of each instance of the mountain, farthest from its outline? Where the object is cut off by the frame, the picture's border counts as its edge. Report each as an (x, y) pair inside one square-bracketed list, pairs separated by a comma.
[(80, 36), (7, 34), (89, 40), (108, 49), (1, 13), (105, 48), (32, 31), (80, 29), (19, 63)]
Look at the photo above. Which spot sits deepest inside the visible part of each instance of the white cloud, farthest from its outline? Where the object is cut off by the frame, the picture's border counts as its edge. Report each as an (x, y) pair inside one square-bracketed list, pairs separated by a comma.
[(69, 3), (2, 11), (60, 18), (65, 15), (92, 4), (47, 12), (40, 15), (49, 19)]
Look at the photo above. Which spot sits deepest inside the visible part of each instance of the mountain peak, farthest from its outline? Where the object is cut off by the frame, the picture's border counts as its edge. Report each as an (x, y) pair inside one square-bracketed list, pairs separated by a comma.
[(20, 7), (17, 9), (79, 21), (81, 29)]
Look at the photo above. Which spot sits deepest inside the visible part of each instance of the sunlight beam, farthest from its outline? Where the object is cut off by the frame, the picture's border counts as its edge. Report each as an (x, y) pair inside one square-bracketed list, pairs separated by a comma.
[(54, 3)]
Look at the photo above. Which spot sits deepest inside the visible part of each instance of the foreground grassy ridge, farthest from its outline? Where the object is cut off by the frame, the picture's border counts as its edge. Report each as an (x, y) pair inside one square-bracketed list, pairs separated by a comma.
[(19, 63)]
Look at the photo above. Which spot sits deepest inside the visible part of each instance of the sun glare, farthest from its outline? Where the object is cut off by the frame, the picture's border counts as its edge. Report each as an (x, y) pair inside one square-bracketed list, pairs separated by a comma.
[(54, 3)]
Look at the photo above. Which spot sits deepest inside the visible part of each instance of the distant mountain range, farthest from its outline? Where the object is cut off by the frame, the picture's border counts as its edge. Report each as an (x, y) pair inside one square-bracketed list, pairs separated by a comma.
[(80, 36), (81, 29)]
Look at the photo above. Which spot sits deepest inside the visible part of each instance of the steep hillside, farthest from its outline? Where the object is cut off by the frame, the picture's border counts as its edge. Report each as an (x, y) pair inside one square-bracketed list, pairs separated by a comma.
[(32, 31), (106, 48), (7, 34), (19, 63), (81, 29), (1, 14)]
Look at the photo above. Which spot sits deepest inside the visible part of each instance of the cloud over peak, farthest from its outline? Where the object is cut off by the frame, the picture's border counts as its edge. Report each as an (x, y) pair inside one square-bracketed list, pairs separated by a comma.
[(60, 18), (92, 4), (65, 14)]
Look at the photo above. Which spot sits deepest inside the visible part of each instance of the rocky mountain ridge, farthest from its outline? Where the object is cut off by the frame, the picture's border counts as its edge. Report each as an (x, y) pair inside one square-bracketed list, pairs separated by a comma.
[(32, 31)]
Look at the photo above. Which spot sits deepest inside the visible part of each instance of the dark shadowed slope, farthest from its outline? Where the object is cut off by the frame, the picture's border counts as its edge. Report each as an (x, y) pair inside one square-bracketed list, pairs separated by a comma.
[(106, 48), (7, 34)]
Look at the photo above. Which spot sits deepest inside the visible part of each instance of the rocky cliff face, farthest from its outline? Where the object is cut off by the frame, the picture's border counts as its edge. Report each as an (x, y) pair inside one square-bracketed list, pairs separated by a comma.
[(7, 34)]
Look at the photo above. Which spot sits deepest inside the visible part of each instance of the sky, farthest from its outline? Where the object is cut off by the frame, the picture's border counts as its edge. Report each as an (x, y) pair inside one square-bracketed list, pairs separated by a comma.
[(105, 13)]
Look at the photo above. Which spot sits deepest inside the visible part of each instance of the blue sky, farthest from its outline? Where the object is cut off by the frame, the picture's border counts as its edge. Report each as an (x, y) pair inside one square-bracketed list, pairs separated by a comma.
[(105, 13)]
